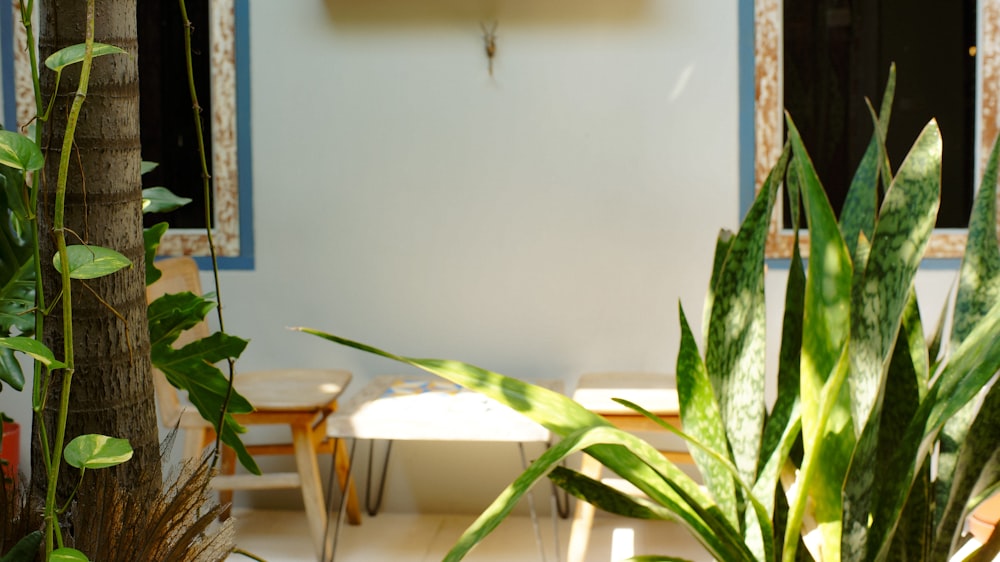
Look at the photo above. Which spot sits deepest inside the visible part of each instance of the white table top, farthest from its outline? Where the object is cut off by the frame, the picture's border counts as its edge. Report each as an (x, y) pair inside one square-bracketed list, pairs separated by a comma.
[(429, 408)]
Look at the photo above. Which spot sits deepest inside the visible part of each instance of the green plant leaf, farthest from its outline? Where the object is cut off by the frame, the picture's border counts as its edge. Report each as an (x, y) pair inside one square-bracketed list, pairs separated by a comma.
[(607, 498), (964, 374), (858, 214), (91, 262), (701, 418), (976, 456), (33, 348), (192, 368), (19, 152), (563, 416), (161, 200), (75, 53), (905, 223), (151, 241), (588, 438), (67, 555), (26, 549), (146, 166), (170, 315), (93, 451), (826, 427), (735, 351)]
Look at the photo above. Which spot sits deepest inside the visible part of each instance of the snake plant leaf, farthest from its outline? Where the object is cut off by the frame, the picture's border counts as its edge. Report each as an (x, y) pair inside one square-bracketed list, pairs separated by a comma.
[(19, 152), (911, 542), (723, 543), (905, 223), (91, 262), (965, 373), (563, 417), (97, 451), (33, 348), (701, 418), (722, 243), (735, 350), (73, 54), (978, 289), (607, 498), (857, 217), (827, 430), (760, 514), (977, 456), (904, 386)]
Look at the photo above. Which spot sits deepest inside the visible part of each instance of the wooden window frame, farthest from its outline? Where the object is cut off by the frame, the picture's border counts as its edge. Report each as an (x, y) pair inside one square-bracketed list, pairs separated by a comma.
[(769, 118), (232, 232)]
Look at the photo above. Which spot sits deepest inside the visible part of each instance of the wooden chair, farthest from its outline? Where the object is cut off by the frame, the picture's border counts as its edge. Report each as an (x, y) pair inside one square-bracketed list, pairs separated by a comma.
[(301, 399), (654, 392)]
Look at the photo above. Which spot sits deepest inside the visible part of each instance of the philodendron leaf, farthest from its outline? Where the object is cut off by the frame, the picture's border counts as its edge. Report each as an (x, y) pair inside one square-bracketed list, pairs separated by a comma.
[(66, 554), (151, 241), (91, 262), (161, 200), (19, 152), (97, 451), (75, 53), (147, 167), (33, 348)]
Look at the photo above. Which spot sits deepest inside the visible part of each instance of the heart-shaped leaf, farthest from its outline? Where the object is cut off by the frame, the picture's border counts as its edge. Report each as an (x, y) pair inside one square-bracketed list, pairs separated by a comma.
[(161, 200), (91, 262), (97, 451), (68, 555), (19, 152), (74, 54), (34, 348)]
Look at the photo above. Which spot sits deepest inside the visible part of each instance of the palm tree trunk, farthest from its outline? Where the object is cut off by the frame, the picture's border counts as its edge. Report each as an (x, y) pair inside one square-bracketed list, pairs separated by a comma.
[(112, 391)]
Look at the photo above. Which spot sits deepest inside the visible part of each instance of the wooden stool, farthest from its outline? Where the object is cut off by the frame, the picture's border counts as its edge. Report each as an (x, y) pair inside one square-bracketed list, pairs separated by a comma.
[(654, 392)]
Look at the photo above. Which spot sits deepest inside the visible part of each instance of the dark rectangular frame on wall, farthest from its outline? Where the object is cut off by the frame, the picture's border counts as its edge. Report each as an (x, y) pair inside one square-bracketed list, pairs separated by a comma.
[(762, 119), (233, 232)]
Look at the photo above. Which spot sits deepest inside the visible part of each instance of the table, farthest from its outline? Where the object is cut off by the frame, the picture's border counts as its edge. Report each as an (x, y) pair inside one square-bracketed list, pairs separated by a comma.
[(429, 408)]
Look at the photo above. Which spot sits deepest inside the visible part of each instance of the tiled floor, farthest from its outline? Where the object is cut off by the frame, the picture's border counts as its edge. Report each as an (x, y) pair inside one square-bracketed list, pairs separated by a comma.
[(281, 536)]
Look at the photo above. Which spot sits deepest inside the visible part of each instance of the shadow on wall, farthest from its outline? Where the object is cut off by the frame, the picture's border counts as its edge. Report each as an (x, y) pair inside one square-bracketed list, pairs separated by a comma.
[(547, 12)]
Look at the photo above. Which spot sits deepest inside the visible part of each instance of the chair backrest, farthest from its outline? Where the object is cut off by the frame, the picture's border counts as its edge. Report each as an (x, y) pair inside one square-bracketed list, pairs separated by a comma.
[(179, 275)]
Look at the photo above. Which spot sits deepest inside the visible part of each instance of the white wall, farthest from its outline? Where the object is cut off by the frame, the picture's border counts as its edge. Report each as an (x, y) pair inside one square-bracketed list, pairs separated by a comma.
[(542, 223)]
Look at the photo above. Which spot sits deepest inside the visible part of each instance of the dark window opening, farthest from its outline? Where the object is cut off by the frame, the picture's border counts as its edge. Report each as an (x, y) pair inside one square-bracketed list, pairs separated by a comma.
[(167, 124), (837, 52)]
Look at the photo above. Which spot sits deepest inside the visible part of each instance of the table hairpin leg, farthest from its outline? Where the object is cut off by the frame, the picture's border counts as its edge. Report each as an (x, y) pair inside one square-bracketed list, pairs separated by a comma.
[(374, 509), (341, 507), (534, 515)]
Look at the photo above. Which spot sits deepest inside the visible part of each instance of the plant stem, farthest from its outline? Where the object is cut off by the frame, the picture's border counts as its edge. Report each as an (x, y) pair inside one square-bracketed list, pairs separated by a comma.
[(207, 196), (59, 225)]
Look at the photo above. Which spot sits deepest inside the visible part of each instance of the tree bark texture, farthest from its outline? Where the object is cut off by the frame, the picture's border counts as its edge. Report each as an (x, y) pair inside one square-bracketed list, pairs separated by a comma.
[(112, 390)]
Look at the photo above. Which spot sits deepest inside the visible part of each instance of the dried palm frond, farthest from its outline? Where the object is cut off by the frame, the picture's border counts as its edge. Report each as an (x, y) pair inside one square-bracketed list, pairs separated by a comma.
[(175, 522)]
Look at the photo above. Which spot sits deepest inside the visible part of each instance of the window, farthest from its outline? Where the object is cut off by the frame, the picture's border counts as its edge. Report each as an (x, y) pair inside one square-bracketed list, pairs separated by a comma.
[(228, 121), (967, 111)]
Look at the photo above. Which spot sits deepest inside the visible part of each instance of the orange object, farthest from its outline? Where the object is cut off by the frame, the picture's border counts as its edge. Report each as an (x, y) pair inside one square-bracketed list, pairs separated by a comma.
[(984, 518), (10, 449)]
